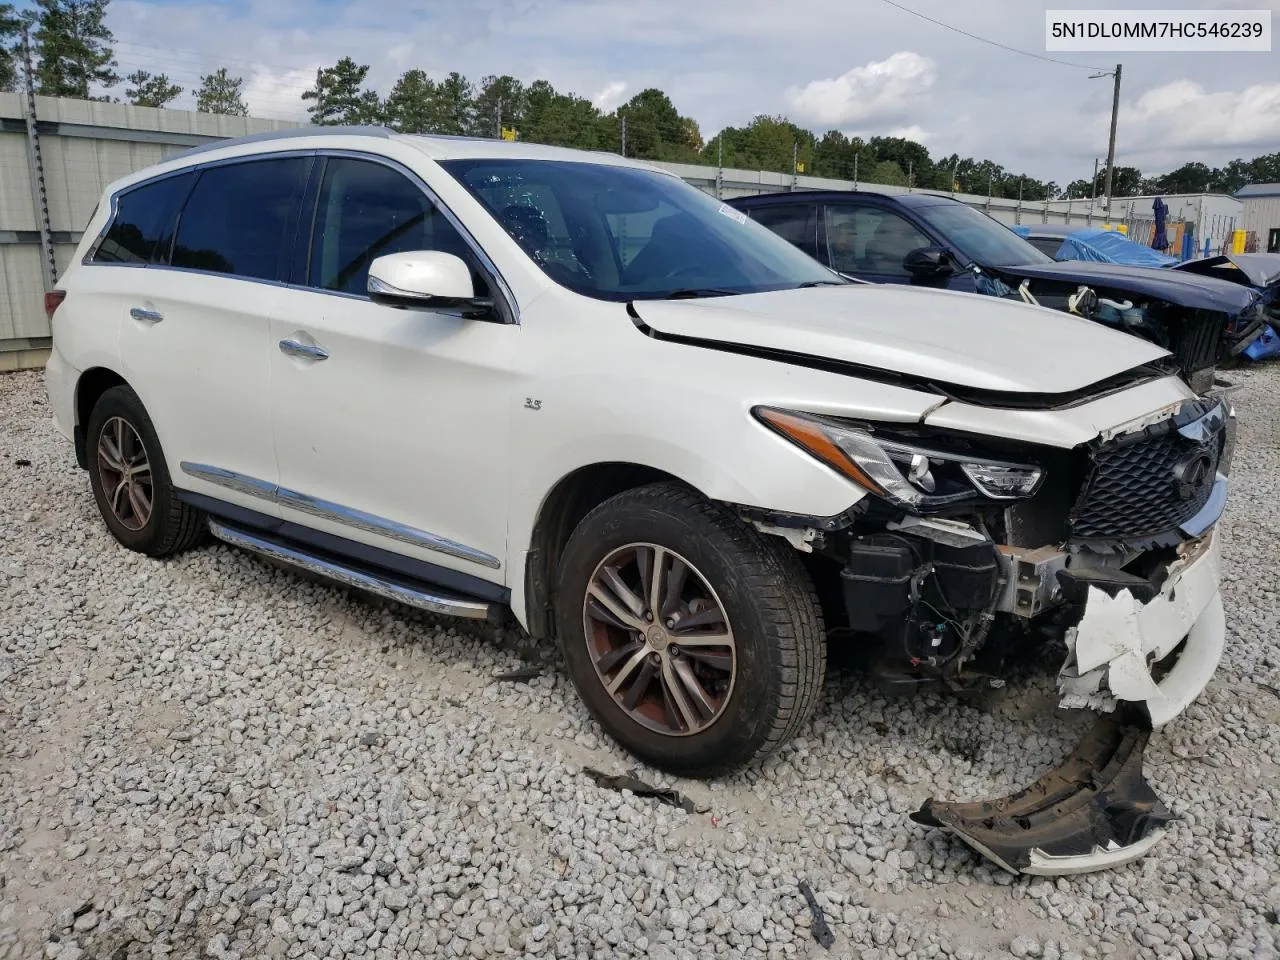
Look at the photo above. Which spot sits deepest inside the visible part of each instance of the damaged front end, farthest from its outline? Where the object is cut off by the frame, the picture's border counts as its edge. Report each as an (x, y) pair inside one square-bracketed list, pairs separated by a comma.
[(972, 553)]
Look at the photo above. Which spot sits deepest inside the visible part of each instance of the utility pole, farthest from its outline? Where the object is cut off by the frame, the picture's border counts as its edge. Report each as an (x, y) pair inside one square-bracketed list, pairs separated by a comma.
[(1111, 146), (1093, 184), (35, 162)]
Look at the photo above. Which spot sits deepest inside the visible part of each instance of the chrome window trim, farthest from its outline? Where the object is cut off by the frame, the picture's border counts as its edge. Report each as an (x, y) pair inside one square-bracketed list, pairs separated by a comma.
[(511, 311), (328, 510)]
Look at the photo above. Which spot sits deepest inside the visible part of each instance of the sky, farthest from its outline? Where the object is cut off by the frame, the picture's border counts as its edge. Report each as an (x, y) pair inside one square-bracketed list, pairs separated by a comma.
[(861, 66)]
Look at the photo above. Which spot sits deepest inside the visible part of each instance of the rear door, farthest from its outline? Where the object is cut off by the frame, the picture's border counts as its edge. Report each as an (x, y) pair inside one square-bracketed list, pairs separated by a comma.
[(870, 242), (796, 223), (195, 340)]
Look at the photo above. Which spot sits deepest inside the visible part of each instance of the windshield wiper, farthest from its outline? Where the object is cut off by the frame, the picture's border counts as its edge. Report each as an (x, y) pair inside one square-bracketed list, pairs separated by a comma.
[(822, 283), (693, 293)]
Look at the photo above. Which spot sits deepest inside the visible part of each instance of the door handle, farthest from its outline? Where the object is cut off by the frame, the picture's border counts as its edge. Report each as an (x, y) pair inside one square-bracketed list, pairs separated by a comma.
[(147, 316), (307, 351)]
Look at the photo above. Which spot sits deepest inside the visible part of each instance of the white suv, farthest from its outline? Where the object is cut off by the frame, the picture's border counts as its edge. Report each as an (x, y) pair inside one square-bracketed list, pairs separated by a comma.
[(477, 376)]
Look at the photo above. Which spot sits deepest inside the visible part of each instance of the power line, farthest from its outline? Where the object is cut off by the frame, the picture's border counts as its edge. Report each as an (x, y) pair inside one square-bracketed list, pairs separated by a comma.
[(994, 43)]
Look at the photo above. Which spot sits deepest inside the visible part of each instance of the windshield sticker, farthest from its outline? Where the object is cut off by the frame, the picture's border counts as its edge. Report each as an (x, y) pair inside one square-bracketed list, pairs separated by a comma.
[(733, 214)]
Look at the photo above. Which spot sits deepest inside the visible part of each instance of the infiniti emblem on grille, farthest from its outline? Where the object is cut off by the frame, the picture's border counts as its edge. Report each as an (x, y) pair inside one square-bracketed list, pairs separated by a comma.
[(1189, 475)]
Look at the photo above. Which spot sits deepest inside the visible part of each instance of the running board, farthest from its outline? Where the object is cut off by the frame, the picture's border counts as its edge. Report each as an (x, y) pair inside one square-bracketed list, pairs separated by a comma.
[(433, 601)]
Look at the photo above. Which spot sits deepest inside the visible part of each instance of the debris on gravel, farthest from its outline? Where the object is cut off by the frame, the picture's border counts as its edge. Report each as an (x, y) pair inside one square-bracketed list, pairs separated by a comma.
[(212, 756)]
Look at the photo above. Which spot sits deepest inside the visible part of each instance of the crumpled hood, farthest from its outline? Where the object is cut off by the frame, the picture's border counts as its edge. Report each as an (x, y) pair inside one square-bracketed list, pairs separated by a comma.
[(1171, 285), (940, 335), (1255, 269)]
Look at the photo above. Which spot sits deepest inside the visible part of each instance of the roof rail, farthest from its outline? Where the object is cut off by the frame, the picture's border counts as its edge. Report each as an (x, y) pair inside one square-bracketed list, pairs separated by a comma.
[(311, 130)]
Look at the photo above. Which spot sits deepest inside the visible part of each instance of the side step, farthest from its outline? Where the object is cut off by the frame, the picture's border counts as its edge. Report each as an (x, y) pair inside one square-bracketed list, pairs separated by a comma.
[(433, 600)]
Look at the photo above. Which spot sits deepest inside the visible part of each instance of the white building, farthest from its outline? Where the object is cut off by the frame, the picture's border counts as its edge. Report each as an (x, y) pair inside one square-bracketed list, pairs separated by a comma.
[(1260, 214)]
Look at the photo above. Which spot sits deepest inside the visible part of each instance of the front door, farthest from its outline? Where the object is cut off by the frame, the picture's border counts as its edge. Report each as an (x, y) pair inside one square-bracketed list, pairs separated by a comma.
[(391, 425)]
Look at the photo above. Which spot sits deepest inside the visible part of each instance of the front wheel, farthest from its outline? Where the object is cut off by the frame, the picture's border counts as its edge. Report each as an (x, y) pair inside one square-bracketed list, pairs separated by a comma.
[(696, 642)]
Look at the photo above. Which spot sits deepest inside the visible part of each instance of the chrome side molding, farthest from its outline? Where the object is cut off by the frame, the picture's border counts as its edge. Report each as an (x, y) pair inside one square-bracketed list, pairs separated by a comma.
[(439, 603), (336, 512)]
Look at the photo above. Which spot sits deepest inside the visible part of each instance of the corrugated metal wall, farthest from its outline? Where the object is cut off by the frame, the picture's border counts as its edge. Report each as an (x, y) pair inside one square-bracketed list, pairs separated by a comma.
[(84, 146), (1261, 215)]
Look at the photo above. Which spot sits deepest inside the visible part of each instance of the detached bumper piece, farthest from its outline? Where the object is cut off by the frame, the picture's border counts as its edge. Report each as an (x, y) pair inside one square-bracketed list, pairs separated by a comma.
[(1094, 812)]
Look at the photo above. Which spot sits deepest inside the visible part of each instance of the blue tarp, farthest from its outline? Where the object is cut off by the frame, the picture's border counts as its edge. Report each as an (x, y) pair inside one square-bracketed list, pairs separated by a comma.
[(1266, 346), (1110, 246)]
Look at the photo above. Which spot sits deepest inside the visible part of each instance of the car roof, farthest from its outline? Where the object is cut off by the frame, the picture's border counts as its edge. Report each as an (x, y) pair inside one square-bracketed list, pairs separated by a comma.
[(437, 147), (830, 196)]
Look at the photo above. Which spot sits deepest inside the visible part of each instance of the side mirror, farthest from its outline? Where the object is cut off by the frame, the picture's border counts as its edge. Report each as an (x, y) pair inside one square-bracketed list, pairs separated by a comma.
[(422, 278), (928, 263)]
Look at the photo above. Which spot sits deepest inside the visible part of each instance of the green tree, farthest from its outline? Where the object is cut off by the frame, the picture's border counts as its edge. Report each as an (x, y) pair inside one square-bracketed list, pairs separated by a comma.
[(565, 120), (10, 52), (499, 101), (453, 105), (74, 48), (411, 105), (340, 97), (146, 90), (220, 93), (656, 130)]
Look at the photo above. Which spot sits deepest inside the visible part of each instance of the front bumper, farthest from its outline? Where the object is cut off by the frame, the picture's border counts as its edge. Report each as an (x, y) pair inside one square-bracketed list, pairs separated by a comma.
[(1120, 646)]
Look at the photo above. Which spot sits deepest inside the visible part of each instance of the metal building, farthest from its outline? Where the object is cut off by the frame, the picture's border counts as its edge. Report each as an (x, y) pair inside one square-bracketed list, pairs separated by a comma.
[(1260, 214)]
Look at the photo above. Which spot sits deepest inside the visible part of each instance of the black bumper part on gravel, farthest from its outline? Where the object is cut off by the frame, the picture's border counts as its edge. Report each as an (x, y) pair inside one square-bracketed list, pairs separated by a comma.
[(1093, 812)]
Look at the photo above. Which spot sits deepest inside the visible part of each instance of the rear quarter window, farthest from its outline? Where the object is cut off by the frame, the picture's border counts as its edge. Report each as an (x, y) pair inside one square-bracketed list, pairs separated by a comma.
[(142, 228)]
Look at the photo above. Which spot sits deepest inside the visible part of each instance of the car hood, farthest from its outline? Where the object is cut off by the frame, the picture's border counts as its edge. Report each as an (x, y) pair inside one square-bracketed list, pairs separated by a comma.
[(1183, 289), (941, 336), (1252, 269)]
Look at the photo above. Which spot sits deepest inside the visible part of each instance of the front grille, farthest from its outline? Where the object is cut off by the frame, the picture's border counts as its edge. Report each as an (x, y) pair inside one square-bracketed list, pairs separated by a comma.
[(1198, 341), (1145, 485)]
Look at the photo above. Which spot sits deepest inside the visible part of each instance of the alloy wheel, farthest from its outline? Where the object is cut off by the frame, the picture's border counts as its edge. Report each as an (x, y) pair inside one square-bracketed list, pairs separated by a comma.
[(124, 471), (660, 639)]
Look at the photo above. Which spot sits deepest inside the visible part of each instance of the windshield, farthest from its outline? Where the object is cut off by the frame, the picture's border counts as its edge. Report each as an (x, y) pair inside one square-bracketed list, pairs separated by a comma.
[(620, 233), (981, 239)]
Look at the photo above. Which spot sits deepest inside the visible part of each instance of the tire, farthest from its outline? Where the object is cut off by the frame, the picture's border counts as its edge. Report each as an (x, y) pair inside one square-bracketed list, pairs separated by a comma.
[(770, 613), (169, 525)]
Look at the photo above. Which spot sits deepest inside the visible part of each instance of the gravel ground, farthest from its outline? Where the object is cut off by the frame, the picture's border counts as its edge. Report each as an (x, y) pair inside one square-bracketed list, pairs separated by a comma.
[(214, 757)]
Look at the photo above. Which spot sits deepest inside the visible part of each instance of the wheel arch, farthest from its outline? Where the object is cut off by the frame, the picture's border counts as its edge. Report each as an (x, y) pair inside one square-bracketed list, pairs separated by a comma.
[(90, 386), (572, 498)]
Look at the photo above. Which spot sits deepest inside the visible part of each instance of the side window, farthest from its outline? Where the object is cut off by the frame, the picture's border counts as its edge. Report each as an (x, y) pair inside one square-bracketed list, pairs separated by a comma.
[(143, 224), (870, 240), (796, 223), (240, 218), (1047, 245), (367, 210)]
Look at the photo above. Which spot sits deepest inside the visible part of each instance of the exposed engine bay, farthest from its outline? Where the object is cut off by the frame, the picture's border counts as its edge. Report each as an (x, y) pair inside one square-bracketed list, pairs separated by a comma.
[(1199, 338), (1108, 549)]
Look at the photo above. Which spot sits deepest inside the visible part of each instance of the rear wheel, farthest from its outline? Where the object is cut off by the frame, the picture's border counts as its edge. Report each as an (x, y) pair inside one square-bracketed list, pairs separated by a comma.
[(130, 479), (695, 641)]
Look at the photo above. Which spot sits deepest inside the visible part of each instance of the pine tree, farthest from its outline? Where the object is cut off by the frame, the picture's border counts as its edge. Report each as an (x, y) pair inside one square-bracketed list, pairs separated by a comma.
[(411, 107), (10, 52), (220, 93), (74, 47), (499, 102), (339, 98), (146, 90), (455, 105)]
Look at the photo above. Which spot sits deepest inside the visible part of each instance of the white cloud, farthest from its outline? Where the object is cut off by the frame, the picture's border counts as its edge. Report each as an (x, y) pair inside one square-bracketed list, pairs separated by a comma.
[(912, 132), (881, 90), (278, 94), (610, 96), (1183, 114)]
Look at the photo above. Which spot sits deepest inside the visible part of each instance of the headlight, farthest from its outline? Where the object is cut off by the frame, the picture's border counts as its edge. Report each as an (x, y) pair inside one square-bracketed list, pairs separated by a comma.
[(907, 475)]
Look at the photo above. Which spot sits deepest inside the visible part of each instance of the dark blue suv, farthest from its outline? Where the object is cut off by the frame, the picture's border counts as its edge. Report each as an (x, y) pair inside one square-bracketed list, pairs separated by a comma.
[(935, 241)]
